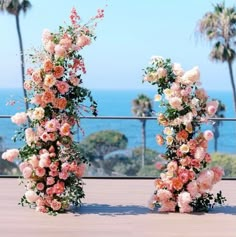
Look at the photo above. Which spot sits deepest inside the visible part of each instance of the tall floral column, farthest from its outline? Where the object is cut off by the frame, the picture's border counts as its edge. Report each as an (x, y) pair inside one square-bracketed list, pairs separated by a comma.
[(185, 182), (51, 163)]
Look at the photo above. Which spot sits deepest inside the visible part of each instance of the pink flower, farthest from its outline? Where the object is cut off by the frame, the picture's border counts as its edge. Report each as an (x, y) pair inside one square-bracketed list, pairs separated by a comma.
[(19, 118), (184, 199), (52, 125), (40, 186), (33, 160), (53, 166), (40, 172), (50, 191), (41, 209), (59, 51), (74, 81), (159, 165), (191, 76), (46, 36), (36, 77), (10, 154), (50, 47), (175, 103), (44, 160), (58, 71), (211, 107), (55, 205), (218, 173), (162, 73), (65, 129), (66, 42), (177, 69), (82, 41), (31, 196), (79, 172), (47, 65), (63, 175), (59, 187), (200, 153), (27, 172), (192, 188), (208, 135), (45, 137), (172, 166), (183, 175), (49, 80), (23, 165), (205, 180), (62, 87), (164, 195), (168, 206), (50, 180)]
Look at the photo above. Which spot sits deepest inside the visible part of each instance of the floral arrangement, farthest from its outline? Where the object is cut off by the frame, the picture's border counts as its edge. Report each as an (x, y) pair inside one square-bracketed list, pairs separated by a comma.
[(185, 181), (51, 163)]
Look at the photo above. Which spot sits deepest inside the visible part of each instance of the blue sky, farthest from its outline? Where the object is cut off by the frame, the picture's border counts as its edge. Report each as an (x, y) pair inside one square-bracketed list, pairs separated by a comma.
[(131, 32)]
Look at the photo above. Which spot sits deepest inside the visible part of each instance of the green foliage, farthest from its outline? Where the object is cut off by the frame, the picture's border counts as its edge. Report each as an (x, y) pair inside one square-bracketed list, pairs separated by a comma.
[(131, 166), (226, 161), (148, 170), (98, 144)]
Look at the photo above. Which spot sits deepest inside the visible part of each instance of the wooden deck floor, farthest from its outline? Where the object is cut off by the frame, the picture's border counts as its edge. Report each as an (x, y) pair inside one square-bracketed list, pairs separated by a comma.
[(114, 208)]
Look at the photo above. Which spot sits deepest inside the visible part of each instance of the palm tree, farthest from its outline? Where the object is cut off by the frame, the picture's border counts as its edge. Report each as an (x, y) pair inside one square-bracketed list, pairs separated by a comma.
[(219, 114), (142, 107), (15, 7), (219, 27)]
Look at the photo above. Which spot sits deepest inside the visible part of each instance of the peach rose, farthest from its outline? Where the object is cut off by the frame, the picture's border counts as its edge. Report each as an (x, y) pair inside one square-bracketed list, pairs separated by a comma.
[(58, 71)]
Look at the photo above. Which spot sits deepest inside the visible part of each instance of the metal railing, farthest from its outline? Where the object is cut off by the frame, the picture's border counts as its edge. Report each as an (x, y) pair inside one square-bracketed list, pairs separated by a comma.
[(117, 124)]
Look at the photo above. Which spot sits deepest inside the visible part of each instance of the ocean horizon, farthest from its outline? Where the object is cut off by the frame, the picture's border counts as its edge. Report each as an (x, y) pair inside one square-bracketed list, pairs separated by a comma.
[(118, 103)]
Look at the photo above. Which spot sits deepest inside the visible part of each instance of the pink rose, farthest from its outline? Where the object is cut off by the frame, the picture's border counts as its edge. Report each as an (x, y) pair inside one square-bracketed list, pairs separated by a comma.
[(65, 129), (59, 51), (46, 36), (23, 165), (79, 172), (50, 180), (31, 196), (184, 198), (50, 47), (168, 206), (10, 154), (82, 41), (55, 205), (175, 103), (40, 186), (52, 125), (40, 172), (211, 107), (164, 195), (19, 118), (59, 187), (33, 160), (62, 87), (27, 172), (205, 180), (218, 173), (208, 135), (192, 188)]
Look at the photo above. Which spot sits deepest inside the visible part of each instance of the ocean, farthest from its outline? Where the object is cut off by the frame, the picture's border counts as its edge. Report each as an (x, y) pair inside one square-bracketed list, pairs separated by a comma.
[(119, 103)]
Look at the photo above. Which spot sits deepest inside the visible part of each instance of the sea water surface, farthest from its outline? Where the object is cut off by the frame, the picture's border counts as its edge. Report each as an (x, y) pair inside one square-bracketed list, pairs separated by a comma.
[(119, 103)]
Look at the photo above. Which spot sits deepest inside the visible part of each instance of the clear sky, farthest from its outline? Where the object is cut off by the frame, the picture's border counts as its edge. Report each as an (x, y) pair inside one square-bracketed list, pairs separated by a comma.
[(131, 32)]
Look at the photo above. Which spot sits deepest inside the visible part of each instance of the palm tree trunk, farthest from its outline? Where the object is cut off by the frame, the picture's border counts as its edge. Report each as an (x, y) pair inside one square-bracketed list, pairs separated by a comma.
[(232, 83), (143, 142), (22, 59)]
